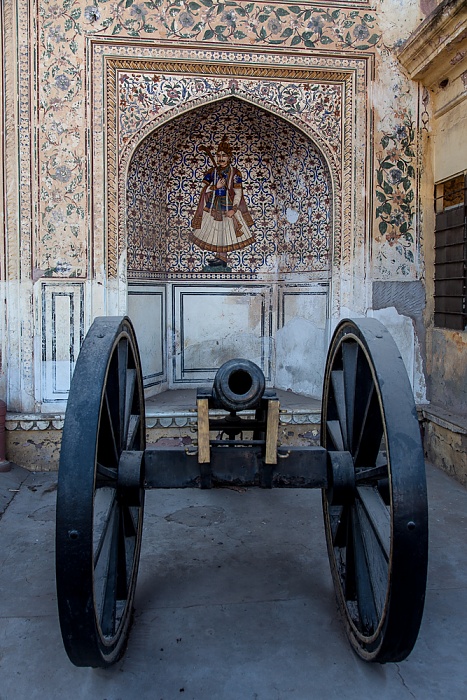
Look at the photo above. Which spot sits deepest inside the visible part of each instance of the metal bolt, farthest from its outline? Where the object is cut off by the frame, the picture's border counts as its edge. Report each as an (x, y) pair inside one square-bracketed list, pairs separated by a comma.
[(73, 534), (411, 525)]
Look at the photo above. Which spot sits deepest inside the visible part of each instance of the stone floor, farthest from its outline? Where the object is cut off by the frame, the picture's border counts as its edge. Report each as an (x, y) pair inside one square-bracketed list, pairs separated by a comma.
[(234, 602)]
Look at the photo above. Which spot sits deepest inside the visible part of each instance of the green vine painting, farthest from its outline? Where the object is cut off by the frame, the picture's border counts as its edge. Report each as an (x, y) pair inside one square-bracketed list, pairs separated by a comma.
[(230, 21)]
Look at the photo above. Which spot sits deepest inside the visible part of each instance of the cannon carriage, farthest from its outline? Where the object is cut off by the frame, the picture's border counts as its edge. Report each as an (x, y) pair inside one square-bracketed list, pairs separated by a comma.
[(370, 467)]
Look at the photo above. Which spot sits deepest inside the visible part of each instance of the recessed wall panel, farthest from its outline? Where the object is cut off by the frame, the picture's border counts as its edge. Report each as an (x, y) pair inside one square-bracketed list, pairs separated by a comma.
[(301, 338), (62, 336), (147, 310), (217, 324)]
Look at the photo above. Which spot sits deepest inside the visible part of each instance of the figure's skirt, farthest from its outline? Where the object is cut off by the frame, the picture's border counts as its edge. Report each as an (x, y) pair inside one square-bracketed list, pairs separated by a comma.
[(231, 233)]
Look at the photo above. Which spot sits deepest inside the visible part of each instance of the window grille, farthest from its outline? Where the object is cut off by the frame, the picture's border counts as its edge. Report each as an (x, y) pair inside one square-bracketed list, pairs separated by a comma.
[(451, 254)]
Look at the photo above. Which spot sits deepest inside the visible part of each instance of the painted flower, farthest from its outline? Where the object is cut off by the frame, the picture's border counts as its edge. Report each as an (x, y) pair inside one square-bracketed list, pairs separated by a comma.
[(172, 93), (116, 10), (62, 82), (58, 127), (392, 237), (316, 25), (395, 176), (186, 19), (62, 267), (56, 34), (91, 13), (400, 132), (55, 103), (55, 11), (229, 18), (398, 198), (296, 23), (58, 216), (138, 11), (274, 26), (398, 218), (62, 173), (291, 100), (361, 32), (252, 24), (161, 17), (56, 196)]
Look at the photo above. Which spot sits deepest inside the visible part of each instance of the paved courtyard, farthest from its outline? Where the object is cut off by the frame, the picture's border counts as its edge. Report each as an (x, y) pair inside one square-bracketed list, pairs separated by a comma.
[(234, 602)]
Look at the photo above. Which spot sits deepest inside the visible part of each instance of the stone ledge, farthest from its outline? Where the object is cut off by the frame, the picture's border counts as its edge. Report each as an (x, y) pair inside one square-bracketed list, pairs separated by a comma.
[(154, 419), (445, 419), (429, 51), (34, 421)]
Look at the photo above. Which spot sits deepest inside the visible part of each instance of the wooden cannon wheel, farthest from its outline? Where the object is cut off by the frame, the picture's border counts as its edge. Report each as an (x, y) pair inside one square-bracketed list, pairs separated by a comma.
[(375, 506), (100, 496)]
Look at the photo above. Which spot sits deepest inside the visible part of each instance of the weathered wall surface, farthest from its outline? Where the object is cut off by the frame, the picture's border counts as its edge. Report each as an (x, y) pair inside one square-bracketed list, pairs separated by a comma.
[(436, 56), (85, 104)]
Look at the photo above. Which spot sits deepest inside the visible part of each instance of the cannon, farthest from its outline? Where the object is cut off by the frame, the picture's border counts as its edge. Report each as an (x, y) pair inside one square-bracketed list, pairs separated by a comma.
[(369, 466)]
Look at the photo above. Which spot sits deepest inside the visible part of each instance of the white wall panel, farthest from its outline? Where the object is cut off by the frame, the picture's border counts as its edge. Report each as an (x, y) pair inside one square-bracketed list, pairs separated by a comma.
[(61, 337), (217, 323), (147, 311), (301, 338)]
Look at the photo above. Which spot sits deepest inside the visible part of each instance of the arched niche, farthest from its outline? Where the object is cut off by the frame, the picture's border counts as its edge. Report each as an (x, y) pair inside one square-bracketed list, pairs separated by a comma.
[(284, 274), (286, 183)]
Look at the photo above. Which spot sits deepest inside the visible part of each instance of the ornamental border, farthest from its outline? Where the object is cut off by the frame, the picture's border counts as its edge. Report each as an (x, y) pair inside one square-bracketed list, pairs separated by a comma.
[(350, 77)]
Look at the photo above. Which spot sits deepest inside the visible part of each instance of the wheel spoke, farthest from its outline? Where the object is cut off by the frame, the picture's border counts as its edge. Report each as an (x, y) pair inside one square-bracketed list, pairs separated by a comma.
[(364, 392), (133, 427), (369, 441), (129, 396), (106, 473), (130, 530), (105, 571), (112, 394), (104, 506), (350, 362), (378, 516), (371, 474), (130, 520), (335, 433), (122, 364), (337, 381), (376, 560), (107, 449), (123, 565), (364, 592), (339, 522)]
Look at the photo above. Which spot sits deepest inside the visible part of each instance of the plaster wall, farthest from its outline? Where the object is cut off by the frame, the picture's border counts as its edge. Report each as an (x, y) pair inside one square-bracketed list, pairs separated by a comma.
[(450, 144), (71, 129), (436, 56)]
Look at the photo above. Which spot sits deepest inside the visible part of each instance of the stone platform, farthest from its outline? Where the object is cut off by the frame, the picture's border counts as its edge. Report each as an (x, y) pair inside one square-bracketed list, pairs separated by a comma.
[(33, 440)]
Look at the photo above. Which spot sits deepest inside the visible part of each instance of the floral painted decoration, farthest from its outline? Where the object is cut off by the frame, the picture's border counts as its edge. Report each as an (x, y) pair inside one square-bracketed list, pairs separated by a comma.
[(395, 188)]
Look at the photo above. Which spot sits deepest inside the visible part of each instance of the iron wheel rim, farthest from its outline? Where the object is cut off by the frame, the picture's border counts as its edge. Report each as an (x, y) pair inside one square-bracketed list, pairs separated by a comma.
[(377, 542), (99, 507)]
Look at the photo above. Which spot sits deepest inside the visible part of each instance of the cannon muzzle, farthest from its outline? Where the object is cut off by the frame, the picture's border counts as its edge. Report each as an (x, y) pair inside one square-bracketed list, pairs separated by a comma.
[(238, 386)]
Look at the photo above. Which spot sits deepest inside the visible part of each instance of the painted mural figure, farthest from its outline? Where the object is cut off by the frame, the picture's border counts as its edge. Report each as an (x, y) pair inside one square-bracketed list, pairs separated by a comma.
[(222, 221)]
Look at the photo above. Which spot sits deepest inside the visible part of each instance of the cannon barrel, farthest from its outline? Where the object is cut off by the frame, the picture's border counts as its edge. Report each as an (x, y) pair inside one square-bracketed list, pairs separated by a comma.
[(238, 386)]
